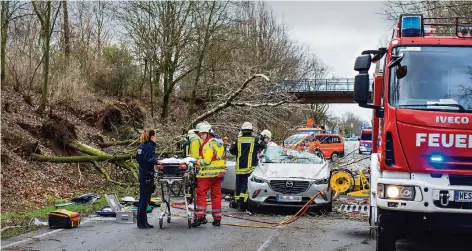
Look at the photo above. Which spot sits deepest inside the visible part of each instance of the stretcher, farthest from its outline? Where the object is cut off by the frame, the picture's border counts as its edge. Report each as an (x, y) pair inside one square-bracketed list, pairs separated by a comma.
[(183, 173)]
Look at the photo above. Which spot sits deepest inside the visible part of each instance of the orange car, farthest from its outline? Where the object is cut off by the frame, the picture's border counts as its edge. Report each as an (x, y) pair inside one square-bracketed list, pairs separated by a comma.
[(331, 145)]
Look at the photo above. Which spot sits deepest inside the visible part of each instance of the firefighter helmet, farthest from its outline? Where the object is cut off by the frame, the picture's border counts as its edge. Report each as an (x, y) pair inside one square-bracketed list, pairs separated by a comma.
[(246, 126), (266, 134)]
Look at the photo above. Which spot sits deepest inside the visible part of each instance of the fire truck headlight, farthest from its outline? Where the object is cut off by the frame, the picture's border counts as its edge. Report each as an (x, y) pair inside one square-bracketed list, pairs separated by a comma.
[(396, 192), (393, 192)]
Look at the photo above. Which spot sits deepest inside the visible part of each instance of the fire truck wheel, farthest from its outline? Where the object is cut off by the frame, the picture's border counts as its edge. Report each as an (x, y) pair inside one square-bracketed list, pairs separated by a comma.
[(385, 240)]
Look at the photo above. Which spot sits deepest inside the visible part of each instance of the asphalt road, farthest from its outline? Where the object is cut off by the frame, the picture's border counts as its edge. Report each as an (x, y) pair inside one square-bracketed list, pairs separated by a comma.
[(336, 232)]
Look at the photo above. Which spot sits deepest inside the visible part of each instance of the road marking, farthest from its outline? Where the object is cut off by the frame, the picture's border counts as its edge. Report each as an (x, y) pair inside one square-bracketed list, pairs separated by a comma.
[(271, 239), (39, 236)]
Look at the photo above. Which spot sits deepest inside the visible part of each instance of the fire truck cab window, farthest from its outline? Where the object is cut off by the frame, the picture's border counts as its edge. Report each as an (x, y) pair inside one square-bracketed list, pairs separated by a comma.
[(366, 136), (435, 75)]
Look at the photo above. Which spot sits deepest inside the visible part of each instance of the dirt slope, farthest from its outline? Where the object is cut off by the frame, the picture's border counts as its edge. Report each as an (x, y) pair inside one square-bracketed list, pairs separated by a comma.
[(28, 184)]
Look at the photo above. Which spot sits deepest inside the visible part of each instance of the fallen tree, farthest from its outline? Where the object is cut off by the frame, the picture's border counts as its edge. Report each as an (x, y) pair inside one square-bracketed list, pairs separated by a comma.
[(79, 159), (228, 102)]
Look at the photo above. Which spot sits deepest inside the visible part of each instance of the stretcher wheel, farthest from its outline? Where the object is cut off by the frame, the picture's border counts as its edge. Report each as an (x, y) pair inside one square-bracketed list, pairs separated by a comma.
[(161, 222), (168, 219), (189, 223)]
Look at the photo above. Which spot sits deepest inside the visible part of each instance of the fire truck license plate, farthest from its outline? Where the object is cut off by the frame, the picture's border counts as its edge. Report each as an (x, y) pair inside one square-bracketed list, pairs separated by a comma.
[(463, 196)]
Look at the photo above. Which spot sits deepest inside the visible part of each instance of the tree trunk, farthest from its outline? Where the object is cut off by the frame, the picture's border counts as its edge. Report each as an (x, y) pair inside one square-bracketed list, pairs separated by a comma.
[(45, 37), (79, 159), (5, 21), (144, 78), (151, 89), (165, 106), (66, 31), (119, 143)]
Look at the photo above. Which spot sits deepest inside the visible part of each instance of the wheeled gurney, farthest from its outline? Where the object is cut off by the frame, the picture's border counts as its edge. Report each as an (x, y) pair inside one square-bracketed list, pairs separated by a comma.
[(180, 172)]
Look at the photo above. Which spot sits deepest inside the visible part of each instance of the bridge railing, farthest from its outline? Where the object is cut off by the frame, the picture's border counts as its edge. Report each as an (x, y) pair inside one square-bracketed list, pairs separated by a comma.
[(316, 85)]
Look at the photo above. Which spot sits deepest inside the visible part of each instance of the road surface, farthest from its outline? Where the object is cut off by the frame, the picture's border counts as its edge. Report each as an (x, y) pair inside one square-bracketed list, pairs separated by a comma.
[(334, 232)]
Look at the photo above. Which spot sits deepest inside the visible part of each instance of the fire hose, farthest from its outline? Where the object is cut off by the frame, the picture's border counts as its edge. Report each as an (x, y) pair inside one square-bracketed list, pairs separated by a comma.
[(292, 219)]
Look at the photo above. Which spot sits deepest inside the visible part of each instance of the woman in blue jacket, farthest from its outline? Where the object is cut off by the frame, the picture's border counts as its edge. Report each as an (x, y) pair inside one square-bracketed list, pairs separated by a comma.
[(146, 158)]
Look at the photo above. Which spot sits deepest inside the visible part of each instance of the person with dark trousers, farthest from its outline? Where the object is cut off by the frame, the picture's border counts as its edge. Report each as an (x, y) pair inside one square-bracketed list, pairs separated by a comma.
[(146, 158), (246, 149)]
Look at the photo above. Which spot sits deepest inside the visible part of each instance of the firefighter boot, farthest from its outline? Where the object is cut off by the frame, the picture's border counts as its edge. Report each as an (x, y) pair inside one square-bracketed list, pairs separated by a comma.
[(216, 223)]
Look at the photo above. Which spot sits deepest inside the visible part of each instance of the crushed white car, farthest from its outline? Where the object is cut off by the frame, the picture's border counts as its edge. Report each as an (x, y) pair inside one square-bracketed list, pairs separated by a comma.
[(284, 178)]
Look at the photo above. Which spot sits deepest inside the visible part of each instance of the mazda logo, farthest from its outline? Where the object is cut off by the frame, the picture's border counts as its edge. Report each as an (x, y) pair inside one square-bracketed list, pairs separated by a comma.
[(289, 184)]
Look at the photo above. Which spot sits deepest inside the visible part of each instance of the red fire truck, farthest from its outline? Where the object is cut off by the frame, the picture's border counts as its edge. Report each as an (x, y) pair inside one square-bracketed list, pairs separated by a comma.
[(421, 174)]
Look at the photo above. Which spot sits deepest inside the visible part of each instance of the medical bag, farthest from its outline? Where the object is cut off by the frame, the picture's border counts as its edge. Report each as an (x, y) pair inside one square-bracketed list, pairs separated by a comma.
[(62, 218)]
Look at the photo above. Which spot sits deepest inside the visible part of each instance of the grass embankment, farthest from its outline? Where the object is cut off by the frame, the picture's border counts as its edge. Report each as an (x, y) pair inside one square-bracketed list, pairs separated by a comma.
[(22, 222)]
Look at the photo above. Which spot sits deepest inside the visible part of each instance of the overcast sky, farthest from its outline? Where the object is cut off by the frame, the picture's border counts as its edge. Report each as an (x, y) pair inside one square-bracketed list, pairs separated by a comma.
[(337, 31)]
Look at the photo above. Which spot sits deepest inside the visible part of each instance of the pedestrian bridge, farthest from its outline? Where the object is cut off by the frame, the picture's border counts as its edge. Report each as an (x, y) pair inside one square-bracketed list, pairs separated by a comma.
[(311, 91), (307, 91)]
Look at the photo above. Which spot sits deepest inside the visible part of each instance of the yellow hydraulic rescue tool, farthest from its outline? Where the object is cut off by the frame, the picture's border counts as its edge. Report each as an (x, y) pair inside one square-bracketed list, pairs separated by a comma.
[(344, 181)]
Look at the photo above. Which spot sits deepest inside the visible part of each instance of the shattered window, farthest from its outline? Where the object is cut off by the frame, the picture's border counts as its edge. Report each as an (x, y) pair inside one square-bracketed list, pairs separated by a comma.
[(277, 154)]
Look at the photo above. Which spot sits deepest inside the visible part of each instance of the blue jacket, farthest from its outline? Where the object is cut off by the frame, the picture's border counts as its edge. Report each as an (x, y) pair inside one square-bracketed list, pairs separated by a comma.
[(146, 158), (246, 149)]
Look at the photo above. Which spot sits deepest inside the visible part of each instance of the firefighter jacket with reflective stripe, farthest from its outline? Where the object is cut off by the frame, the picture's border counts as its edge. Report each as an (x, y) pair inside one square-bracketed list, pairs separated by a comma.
[(246, 150), (213, 163), (195, 144)]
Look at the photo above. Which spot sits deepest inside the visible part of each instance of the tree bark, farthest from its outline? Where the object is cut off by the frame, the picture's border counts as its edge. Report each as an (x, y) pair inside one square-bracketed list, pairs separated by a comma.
[(119, 143), (66, 31), (79, 159), (45, 21), (5, 21)]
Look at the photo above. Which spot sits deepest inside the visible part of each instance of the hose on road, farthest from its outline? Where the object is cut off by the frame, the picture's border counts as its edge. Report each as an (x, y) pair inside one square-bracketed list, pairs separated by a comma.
[(292, 219)]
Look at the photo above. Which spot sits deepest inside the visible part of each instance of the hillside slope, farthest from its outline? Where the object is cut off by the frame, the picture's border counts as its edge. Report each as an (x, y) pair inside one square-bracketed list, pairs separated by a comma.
[(28, 184)]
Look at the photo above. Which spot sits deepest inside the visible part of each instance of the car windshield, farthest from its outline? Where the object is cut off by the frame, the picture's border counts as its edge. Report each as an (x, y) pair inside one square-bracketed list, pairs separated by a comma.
[(294, 139), (434, 78), (366, 136), (277, 154)]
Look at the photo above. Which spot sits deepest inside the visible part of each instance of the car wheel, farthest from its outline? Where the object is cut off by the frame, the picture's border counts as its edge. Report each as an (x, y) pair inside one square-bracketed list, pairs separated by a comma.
[(327, 208), (253, 207), (334, 156), (360, 152)]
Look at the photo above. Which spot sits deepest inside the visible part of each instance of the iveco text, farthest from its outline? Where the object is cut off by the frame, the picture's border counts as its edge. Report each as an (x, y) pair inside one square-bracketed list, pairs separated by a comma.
[(452, 120)]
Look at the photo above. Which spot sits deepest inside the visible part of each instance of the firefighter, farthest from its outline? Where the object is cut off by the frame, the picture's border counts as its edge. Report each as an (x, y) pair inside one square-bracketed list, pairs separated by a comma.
[(267, 136), (146, 158), (212, 170), (246, 149), (186, 147)]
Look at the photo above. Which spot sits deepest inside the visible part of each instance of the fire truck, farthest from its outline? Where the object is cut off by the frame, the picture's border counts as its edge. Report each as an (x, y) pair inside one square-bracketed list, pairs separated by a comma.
[(421, 172)]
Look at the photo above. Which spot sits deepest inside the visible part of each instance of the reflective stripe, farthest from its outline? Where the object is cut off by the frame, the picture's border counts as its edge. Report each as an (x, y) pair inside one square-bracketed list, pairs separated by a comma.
[(188, 195), (245, 140), (249, 157), (245, 170)]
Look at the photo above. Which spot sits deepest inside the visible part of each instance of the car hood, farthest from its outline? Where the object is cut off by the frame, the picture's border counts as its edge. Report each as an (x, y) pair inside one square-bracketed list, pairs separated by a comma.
[(289, 170)]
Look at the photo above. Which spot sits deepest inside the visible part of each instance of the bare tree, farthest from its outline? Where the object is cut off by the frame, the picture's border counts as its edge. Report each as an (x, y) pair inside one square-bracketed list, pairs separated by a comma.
[(393, 8), (66, 30), (45, 13)]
